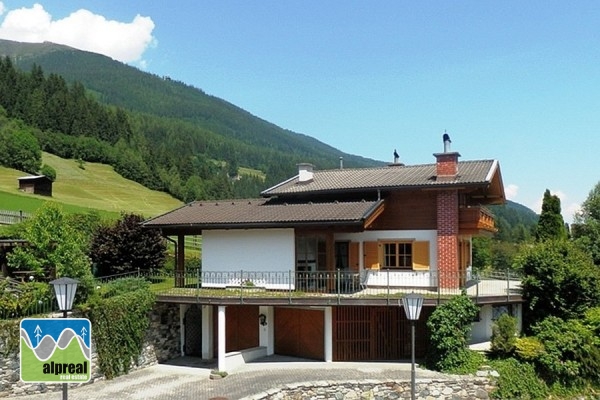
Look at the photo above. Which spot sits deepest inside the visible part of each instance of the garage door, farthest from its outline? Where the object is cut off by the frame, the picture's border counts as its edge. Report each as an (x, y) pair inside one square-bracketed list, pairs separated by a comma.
[(241, 328), (299, 333)]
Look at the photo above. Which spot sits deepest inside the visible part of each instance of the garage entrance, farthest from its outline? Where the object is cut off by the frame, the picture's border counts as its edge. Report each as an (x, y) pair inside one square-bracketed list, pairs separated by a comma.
[(299, 332)]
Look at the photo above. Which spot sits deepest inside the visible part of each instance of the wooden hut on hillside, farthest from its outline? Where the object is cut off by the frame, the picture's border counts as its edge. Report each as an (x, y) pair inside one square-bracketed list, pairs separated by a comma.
[(36, 184)]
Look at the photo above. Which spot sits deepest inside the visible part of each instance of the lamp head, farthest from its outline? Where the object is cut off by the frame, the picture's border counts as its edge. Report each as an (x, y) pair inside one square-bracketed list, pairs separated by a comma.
[(65, 289), (412, 306)]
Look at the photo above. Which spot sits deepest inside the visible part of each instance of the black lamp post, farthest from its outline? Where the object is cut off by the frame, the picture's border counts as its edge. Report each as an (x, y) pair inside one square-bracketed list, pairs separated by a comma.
[(412, 307), (64, 289)]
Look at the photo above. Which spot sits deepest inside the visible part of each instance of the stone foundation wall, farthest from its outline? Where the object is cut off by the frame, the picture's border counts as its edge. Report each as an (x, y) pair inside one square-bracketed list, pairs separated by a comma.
[(162, 343), (426, 389)]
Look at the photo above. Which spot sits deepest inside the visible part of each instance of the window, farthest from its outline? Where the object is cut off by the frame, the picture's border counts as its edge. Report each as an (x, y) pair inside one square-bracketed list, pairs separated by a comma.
[(397, 255), (310, 253)]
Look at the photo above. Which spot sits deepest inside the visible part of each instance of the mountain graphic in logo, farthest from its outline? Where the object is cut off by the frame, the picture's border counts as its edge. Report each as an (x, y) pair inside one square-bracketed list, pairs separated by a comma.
[(55, 350)]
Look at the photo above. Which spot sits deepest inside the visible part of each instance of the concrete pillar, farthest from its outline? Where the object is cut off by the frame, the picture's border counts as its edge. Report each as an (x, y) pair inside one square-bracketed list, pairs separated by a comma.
[(182, 309), (208, 340), (221, 339), (328, 332), (266, 333)]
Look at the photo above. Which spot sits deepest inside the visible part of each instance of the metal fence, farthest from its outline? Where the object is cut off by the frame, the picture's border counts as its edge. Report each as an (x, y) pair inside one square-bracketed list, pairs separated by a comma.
[(366, 284)]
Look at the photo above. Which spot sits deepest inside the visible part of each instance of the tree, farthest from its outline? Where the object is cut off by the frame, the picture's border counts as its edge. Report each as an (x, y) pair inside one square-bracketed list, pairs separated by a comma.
[(551, 224), (586, 229), (56, 248), (49, 172), (127, 246), (19, 148), (559, 280)]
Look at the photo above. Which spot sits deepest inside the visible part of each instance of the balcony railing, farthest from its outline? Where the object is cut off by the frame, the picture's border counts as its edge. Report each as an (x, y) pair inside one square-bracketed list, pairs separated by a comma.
[(368, 284), (476, 219)]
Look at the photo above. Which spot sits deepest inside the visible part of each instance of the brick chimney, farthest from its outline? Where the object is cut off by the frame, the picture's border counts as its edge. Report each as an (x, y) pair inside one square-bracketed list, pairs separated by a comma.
[(305, 173), (446, 162)]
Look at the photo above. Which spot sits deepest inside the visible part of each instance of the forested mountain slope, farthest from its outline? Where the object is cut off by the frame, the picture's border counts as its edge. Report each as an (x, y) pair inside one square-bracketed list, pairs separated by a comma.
[(119, 84)]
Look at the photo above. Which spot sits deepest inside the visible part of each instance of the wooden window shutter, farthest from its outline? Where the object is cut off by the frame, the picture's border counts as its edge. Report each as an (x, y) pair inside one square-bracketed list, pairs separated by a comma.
[(371, 253), (353, 256), (421, 256)]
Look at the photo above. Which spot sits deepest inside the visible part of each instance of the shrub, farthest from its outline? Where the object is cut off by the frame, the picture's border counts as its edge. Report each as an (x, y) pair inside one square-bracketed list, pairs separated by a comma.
[(30, 298), (127, 246), (49, 172), (592, 321), (120, 324), (517, 380), (528, 348), (504, 333), (450, 325), (571, 357)]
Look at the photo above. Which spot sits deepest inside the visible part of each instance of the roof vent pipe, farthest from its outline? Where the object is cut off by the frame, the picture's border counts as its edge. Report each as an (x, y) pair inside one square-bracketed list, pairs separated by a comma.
[(447, 142), (305, 172), (341, 162)]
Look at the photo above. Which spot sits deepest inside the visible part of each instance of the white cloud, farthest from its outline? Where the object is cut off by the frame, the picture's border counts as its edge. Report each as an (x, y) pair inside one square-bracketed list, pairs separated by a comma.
[(82, 30), (2, 8), (511, 191)]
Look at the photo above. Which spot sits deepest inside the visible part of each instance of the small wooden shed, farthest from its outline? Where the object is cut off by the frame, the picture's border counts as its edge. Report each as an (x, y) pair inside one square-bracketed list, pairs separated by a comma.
[(36, 184)]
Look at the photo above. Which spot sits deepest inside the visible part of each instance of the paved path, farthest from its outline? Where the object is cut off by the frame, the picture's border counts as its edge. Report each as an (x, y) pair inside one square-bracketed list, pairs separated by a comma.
[(173, 382)]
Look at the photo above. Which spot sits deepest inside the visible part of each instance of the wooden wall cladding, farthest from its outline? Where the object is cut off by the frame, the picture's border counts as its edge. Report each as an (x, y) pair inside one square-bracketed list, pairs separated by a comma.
[(409, 210)]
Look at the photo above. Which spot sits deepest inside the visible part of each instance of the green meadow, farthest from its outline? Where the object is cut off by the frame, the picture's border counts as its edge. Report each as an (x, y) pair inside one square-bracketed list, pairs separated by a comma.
[(89, 187)]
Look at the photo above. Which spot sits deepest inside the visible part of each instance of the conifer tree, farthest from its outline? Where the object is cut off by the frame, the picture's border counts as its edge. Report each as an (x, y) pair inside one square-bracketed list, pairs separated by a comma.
[(551, 224)]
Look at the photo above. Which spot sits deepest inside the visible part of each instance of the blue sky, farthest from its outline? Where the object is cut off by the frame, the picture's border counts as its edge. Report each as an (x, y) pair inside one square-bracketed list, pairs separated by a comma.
[(514, 81)]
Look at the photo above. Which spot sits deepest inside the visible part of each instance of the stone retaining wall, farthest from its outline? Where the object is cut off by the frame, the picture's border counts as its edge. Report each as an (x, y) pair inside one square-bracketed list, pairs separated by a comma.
[(162, 343), (427, 389)]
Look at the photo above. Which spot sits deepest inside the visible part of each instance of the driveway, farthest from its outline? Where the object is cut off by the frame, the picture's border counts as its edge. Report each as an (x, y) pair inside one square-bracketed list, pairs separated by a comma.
[(187, 379)]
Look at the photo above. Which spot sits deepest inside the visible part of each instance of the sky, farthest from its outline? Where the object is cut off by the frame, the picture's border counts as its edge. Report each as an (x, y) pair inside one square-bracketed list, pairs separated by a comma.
[(517, 81)]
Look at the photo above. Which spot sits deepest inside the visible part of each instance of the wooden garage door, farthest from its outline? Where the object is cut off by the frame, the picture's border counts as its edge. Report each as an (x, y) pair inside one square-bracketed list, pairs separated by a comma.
[(376, 333), (299, 333), (241, 328)]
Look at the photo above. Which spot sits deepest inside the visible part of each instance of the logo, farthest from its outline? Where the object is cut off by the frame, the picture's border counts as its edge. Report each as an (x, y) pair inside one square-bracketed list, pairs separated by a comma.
[(56, 350)]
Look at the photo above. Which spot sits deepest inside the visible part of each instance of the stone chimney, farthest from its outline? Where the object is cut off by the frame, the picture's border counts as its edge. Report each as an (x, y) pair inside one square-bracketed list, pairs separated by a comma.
[(305, 173), (447, 162)]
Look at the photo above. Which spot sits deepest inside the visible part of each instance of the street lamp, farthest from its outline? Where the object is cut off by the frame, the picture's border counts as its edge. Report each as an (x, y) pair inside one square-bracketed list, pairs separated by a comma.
[(65, 289), (412, 307)]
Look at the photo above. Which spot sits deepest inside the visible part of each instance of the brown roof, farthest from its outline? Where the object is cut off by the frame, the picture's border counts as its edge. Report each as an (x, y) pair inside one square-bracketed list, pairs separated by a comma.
[(391, 177), (263, 213)]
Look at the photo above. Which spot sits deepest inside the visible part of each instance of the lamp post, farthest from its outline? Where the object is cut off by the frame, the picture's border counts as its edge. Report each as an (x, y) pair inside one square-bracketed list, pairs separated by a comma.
[(64, 289), (412, 307)]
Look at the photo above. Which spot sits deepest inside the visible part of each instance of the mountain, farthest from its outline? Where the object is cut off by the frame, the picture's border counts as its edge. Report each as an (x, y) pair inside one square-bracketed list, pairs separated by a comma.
[(118, 84), (514, 221)]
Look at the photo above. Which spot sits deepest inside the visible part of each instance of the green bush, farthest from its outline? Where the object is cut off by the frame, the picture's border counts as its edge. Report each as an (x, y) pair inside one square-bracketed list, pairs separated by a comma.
[(517, 380), (120, 286), (504, 333), (27, 299), (120, 324), (528, 348), (592, 321), (570, 358), (49, 172), (450, 326)]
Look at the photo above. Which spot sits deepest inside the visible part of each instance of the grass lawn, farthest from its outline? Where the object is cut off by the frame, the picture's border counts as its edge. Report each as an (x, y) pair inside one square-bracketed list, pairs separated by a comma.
[(95, 187)]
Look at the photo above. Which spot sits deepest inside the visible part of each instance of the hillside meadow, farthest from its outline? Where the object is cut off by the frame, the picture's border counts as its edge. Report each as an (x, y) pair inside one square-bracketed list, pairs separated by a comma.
[(92, 187)]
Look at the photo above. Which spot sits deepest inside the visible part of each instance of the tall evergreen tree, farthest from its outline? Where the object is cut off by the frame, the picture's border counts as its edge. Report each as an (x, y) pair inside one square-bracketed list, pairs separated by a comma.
[(551, 224)]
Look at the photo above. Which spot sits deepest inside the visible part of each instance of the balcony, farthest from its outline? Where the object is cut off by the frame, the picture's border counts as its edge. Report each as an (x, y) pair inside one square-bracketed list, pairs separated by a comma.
[(476, 221), (369, 287)]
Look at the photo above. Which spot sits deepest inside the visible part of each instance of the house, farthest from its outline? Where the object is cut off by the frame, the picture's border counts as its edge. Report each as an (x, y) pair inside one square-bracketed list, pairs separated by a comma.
[(36, 184), (330, 253)]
